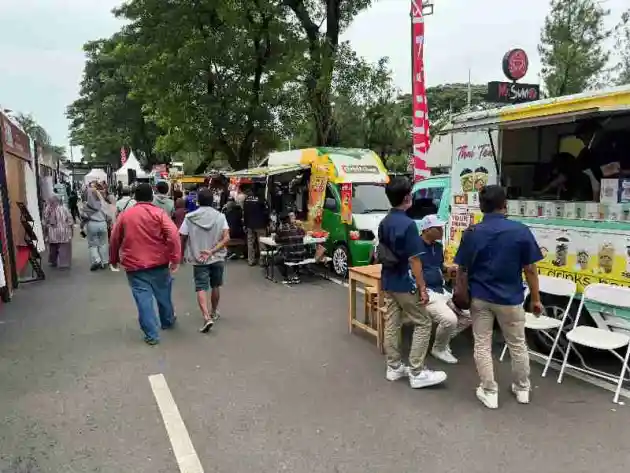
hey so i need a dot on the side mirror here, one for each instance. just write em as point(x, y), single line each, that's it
point(330, 204)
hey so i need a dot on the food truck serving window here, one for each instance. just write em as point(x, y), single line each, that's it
point(583, 162)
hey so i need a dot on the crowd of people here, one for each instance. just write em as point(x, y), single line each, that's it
point(489, 266)
point(150, 234)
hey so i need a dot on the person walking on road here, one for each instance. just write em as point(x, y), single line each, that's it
point(400, 249)
point(433, 269)
point(494, 254)
point(162, 200)
point(180, 212)
point(94, 225)
point(73, 205)
point(205, 234)
point(146, 244)
point(256, 218)
point(125, 201)
point(58, 229)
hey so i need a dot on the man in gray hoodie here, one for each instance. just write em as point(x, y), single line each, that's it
point(162, 200)
point(205, 234)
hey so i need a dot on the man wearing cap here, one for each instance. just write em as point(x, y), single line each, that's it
point(433, 267)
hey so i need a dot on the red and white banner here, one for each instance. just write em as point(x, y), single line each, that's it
point(420, 133)
point(123, 156)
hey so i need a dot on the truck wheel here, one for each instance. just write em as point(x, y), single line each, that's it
point(341, 260)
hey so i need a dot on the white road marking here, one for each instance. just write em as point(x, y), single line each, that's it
point(185, 453)
point(593, 380)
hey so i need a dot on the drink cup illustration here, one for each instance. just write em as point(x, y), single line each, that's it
point(467, 177)
point(582, 259)
point(562, 251)
point(606, 257)
point(481, 178)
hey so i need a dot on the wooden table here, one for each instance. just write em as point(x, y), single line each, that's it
point(369, 276)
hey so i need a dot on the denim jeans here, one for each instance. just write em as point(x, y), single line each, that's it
point(148, 284)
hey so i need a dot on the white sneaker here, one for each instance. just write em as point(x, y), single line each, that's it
point(444, 355)
point(426, 378)
point(488, 399)
point(396, 374)
point(522, 396)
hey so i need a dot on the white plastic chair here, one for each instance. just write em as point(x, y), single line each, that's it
point(610, 307)
point(555, 287)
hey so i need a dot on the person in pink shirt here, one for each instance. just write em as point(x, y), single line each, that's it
point(146, 243)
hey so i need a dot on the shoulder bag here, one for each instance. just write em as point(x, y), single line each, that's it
point(461, 288)
point(384, 255)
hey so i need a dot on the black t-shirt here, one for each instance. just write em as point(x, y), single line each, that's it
point(611, 147)
point(255, 213)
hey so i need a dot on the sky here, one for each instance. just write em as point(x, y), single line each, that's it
point(41, 57)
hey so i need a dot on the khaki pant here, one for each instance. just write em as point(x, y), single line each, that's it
point(406, 307)
point(253, 247)
point(511, 320)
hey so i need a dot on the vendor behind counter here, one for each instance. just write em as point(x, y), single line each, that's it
point(605, 154)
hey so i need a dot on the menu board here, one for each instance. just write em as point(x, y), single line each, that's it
point(584, 255)
point(473, 164)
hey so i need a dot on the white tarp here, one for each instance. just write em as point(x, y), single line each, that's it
point(95, 175)
point(30, 181)
point(131, 163)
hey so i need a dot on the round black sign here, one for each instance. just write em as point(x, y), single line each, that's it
point(515, 64)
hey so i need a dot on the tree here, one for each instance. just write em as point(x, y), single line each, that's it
point(213, 75)
point(572, 46)
point(622, 43)
point(33, 129)
point(106, 117)
point(321, 22)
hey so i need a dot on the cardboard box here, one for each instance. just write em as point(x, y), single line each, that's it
point(513, 207)
point(569, 210)
point(531, 208)
point(609, 191)
point(615, 212)
point(549, 209)
point(591, 211)
point(580, 210)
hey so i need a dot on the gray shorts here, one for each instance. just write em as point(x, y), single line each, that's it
point(208, 276)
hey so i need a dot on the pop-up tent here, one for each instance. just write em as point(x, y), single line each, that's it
point(95, 175)
point(131, 163)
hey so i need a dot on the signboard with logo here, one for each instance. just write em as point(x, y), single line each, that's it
point(512, 92)
point(14, 140)
point(317, 192)
point(356, 165)
point(346, 202)
point(473, 165)
point(515, 66)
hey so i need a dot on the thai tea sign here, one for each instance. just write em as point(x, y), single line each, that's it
point(473, 164)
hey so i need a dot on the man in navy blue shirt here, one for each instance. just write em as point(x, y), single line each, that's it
point(433, 269)
point(495, 253)
point(405, 289)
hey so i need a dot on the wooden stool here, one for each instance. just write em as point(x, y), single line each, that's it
point(370, 306)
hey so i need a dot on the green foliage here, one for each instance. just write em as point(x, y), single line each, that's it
point(216, 74)
point(622, 43)
point(320, 24)
point(572, 46)
point(105, 117)
point(33, 129)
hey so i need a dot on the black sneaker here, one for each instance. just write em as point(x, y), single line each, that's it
point(215, 315)
point(95, 267)
point(207, 325)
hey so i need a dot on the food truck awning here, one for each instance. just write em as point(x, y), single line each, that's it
point(267, 171)
point(565, 109)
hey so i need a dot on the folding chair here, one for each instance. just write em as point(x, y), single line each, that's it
point(543, 323)
point(609, 306)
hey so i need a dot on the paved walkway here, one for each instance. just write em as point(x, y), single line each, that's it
point(278, 386)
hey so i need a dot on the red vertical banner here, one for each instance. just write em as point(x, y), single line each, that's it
point(346, 202)
point(420, 109)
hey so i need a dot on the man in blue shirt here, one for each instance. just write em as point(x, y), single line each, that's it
point(433, 268)
point(495, 253)
point(406, 294)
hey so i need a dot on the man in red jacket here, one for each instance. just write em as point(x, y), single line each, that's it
point(146, 243)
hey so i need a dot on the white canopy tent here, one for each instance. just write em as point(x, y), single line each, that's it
point(131, 163)
point(95, 175)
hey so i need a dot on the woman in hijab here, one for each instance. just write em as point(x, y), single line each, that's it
point(58, 227)
point(94, 223)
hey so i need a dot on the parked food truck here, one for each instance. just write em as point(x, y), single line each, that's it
point(584, 234)
point(349, 185)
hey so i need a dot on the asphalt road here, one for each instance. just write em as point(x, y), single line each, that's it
point(279, 385)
